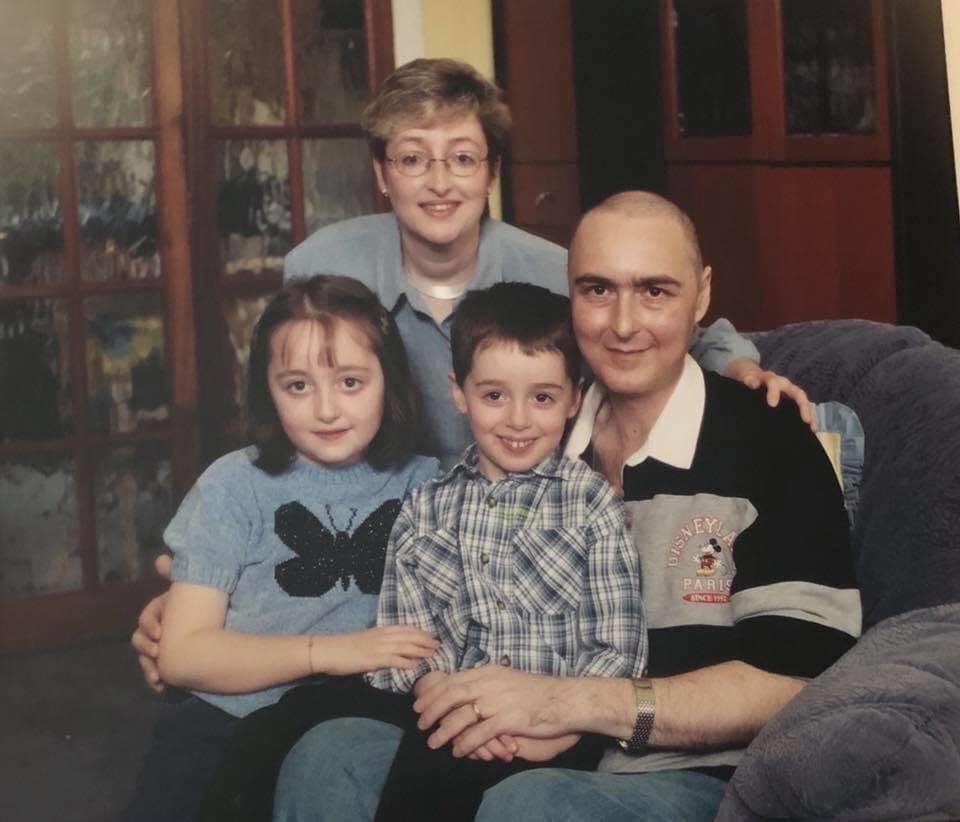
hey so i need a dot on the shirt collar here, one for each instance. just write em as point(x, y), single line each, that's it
point(469, 464)
point(393, 282)
point(673, 438)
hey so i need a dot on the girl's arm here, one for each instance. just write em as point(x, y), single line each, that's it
point(196, 651)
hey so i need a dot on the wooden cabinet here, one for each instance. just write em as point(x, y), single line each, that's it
point(157, 159)
point(776, 138)
point(535, 67)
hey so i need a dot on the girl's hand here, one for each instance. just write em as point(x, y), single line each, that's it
point(753, 376)
point(428, 681)
point(389, 646)
point(146, 638)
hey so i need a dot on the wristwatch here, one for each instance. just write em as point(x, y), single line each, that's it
point(643, 725)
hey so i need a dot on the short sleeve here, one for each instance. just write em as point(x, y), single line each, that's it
point(216, 523)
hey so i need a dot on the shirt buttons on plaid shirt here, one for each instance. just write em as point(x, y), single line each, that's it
point(500, 604)
point(485, 558)
point(492, 502)
point(505, 660)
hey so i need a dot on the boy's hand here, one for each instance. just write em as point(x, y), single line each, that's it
point(753, 376)
point(429, 681)
point(146, 638)
point(541, 750)
point(389, 646)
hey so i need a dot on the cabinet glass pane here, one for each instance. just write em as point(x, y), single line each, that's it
point(713, 68)
point(110, 63)
point(253, 205)
point(117, 210)
point(127, 375)
point(245, 62)
point(31, 223)
point(240, 315)
point(34, 371)
point(134, 502)
point(331, 54)
point(337, 181)
point(828, 66)
point(28, 96)
point(39, 531)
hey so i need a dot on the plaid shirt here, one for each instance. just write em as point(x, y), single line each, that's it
point(536, 571)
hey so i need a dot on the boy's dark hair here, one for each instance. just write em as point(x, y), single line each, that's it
point(325, 298)
point(530, 316)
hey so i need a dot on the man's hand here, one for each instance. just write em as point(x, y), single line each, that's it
point(753, 376)
point(146, 638)
point(473, 707)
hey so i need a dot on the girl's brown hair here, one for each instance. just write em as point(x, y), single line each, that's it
point(326, 298)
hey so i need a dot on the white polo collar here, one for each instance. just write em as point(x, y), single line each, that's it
point(673, 438)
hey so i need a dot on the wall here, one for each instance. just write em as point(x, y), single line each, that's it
point(951, 42)
point(441, 28)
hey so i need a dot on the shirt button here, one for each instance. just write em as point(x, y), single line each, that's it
point(492, 502)
point(485, 558)
point(505, 660)
point(500, 604)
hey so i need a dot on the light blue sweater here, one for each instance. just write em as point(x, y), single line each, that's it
point(297, 553)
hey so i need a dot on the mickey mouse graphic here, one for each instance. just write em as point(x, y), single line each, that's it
point(708, 559)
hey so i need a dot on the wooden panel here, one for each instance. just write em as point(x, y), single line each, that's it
point(70, 618)
point(829, 233)
point(545, 194)
point(792, 243)
point(721, 201)
point(536, 64)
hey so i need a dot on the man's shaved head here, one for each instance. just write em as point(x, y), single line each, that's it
point(646, 205)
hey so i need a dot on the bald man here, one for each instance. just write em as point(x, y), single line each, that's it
point(739, 523)
point(747, 579)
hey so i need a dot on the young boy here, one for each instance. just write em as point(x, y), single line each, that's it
point(517, 556)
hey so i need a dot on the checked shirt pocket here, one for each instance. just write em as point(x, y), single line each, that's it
point(437, 567)
point(548, 578)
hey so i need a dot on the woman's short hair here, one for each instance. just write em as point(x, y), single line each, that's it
point(422, 90)
point(325, 299)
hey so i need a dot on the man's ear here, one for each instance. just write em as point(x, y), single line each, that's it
point(577, 398)
point(456, 392)
point(703, 295)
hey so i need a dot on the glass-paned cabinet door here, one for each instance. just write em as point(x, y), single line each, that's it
point(828, 66)
point(31, 222)
point(109, 50)
point(712, 65)
point(90, 445)
point(331, 56)
point(34, 370)
point(117, 210)
point(40, 546)
point(245, 62)
point(28, 90)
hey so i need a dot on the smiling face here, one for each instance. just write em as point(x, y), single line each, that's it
point(328, 390)
point(636, 295)
point(438, 209)
point(518, 405)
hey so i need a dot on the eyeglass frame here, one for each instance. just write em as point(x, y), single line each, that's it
point(431, 160)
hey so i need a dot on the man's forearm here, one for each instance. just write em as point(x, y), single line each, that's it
point(724, 704)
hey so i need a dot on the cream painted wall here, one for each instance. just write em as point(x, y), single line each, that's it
point(951, 41)
point(443, 28)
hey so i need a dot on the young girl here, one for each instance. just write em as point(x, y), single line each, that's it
point(279, 547)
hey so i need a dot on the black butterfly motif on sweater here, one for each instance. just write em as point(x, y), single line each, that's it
point(323, 558)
